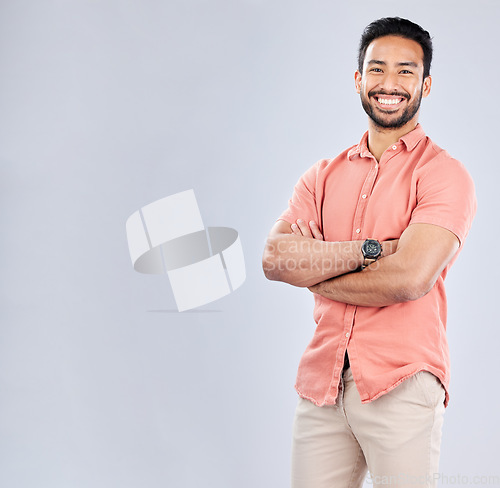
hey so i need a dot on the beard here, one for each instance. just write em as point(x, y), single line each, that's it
point(386, 121)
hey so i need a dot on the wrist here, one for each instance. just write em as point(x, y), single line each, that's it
point(371, 250)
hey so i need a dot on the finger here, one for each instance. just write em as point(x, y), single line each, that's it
point(304, 228)
point(315, 230)
point(296, 230)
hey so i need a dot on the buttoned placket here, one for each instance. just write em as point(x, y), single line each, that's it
point(366, 191)
point(357, 234)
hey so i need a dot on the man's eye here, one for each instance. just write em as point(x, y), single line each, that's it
point(406, 71)
point(375, 69)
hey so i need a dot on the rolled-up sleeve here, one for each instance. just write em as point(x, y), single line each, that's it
point(303, 205)
point(445, 196)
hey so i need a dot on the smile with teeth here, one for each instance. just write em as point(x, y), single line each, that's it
point(389, 101)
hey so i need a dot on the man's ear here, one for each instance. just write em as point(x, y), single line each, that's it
point(357, 81)
point(426, 88)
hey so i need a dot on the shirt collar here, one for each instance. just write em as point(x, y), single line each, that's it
point(411, 139)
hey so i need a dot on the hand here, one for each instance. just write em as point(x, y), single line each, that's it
point(315, 288)
point(301, 228)
point(389, 247)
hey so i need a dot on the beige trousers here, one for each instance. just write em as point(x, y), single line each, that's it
point(396, 437)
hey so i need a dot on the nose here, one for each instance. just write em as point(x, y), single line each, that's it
point(389, 83)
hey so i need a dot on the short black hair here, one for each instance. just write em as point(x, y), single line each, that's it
point(396, 26)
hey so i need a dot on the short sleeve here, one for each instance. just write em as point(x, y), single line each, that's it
point(445, 196)
point(302, 205)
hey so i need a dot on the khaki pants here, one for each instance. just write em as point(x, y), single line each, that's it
point(396, 437)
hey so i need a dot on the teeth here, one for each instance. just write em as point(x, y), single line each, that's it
point(390, 101)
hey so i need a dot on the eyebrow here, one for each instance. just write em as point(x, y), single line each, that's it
point(402, 63)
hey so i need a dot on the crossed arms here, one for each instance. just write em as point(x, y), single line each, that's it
point(407, 269)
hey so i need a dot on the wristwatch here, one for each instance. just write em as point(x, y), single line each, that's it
point(371, 250)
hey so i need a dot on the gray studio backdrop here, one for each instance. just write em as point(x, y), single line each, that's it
point(106, 106)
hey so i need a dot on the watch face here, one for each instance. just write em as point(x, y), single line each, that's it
point(371, 248)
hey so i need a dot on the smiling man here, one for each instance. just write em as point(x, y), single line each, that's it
point(372, 233)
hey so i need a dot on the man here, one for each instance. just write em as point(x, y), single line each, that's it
point(372, 233)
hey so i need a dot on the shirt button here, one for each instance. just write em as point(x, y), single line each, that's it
point(394, 147)
point(358, 231)
point(347, 334)
point(363, 196)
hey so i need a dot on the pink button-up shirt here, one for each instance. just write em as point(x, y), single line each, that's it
point(354, 197)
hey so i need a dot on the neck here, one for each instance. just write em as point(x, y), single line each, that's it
point(379, 138)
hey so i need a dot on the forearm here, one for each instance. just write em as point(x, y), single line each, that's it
point(305, 261)
point(386, 282)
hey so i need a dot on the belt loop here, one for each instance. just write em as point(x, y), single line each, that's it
point(341, 391)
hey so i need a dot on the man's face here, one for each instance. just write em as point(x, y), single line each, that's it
point(392, 84)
